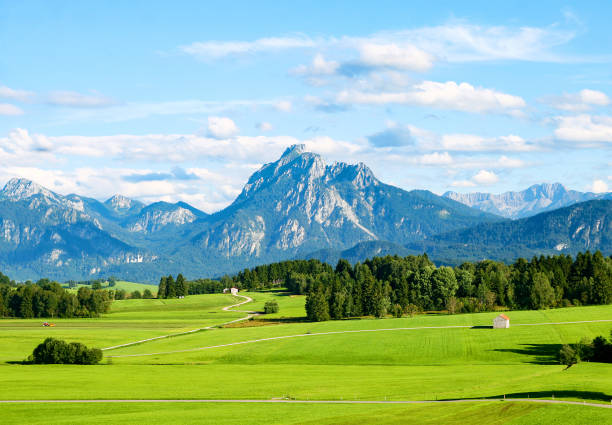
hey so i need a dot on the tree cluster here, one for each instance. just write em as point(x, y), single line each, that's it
point(48, 299)
point(170, 288)
point(56, 351)
point(597, 350)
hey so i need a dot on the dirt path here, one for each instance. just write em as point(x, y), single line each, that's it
point(339, 332)
point(521, 400)
point(228, 308)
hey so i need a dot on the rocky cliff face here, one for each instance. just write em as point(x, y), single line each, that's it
point(299, 204)
point(531, 201)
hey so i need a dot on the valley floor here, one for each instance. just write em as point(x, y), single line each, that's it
point(426, 357)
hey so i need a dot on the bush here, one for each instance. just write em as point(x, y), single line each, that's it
point(55, 351)
point(136, 295)
point(271, 307)
point(147, 294)
point(397, 311)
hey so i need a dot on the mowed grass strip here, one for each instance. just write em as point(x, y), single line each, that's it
point(502, 413)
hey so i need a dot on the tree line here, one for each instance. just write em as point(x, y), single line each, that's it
point(48, 299)
point(399, 285)
point(170, 288)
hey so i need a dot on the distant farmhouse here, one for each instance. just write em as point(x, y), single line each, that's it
point(501, 321)
point(231, 290)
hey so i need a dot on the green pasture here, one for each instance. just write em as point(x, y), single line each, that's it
point(388, 361)
point(506, 413)
point(125, 285)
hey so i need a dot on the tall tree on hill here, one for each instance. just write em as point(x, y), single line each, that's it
point(170, 287)
point(181, 286)
point(161, 289)
point(317, 307)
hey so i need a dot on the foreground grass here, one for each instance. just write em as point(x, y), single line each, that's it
point(391, 363)
point(220, 414)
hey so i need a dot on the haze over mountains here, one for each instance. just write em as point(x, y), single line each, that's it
point(531, 201)
point(296, 207)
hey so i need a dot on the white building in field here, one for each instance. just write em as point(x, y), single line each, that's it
point(231, 290)
point(500, 322)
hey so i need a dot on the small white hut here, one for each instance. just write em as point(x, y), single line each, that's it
point(234, 290)
point(501, 321)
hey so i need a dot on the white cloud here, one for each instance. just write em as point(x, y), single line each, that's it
point(463, 42)
point(584, 128)
point(318, 67)
point(79, 100)
point(475, 143)
point(283, 106)
point(221, 127)
point(455, 41)
point(463, 183)
point(264, 126)
point(19, 95)
point(485, 177)
point(482, 178)
point(581, 101)
point(436, 158)
point(8, 109)
point(448, 95)
point(599, 186)
point(219, 49)
point(392, 55)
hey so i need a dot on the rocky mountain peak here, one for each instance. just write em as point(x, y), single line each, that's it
point(293, 151)
point(17, 189)
point(119, 202)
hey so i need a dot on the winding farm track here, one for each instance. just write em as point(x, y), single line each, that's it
point(228, 308)
point(251, 341)
point(521, 400)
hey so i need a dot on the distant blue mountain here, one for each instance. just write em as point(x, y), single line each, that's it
point(295, 207)
point(531, 201)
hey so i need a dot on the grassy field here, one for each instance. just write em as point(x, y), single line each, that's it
point(126, 286)
point(506, 413)
point(366, 359)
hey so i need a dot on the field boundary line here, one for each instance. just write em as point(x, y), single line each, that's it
point(462, 400)
point(251, 341)
point(227, 308)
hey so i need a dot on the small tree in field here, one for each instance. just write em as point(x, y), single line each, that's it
point(147, 294)
point(568, 356)
point(271, 307)
point(136, 295)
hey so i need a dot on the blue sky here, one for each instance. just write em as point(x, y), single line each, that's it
point(184, 100)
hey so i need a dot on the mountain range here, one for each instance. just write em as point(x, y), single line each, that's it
point(295, 207)
point(531, 201)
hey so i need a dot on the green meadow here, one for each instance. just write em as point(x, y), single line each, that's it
point(125, 285)
point(425, 357)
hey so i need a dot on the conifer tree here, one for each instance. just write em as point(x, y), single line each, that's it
point(161, 289)
point(170, 287)
point(181, 286)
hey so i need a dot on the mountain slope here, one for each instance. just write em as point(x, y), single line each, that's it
point(45, 234)
point(531, 201)
point(579, 227)
point(299, 204)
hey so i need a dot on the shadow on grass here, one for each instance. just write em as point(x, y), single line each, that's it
point(549, 394)
point(545, 354)
point(481, 327)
